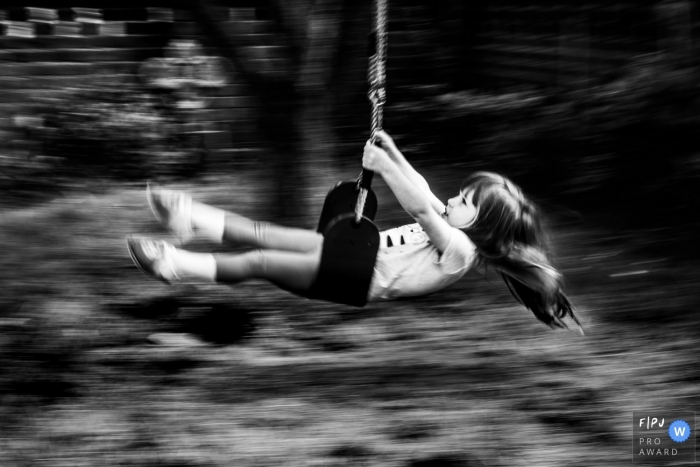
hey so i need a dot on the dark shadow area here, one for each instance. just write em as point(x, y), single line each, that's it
point(448, 460)
point(216, 323)
point(351, 452)
point(220, 323)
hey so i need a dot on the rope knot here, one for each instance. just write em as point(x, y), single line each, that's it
point(377, 95)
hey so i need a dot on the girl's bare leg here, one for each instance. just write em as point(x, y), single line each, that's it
point(219, 225)
point(266, 235)
point(291, 271)
point(185, 218)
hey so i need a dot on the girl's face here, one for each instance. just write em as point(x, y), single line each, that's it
point(460, 211)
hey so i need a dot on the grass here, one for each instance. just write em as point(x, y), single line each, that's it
point(464, 377)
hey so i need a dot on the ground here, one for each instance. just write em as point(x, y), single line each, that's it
point(465, 377)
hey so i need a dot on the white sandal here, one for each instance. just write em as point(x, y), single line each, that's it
point(173, 209)
point(153, 258)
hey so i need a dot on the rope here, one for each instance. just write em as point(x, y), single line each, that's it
point(376, 76)
point(377, 70)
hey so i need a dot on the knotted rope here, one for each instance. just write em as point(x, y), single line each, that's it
point(376, 76)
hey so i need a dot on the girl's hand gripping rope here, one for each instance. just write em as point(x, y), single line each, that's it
point(387, 143)
point(376, 159)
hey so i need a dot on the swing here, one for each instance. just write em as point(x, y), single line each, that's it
point(350, 238)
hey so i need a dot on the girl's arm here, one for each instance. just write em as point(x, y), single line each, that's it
point(411, 174)
point(411, 197)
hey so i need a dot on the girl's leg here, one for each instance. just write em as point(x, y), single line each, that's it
point(232, 227)
point(185, 217)
point(291, 271)
point(266, 235)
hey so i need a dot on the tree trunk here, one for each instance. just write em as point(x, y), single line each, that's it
point(316, 110)
point(296, 107)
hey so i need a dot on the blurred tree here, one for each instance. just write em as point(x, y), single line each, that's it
point(675, 27)
point(297, 100)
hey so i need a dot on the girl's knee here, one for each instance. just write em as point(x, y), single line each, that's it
point(255, 263)
point(239, 267)
point(289, 270)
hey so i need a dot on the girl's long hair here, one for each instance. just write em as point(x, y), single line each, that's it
point(509, 235)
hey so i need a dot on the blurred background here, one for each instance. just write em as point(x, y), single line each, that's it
point(260, 107)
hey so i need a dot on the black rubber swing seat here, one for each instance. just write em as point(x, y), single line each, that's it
point(341, 200)
point(349, 248)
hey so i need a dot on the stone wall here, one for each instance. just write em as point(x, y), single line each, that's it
point(46, 49)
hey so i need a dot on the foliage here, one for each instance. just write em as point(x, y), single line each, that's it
point(110, 129)
point(633, 131)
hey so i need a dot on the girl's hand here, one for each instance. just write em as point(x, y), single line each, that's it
point(375, 159)
point(387, 143)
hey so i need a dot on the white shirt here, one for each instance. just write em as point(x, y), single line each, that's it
point(408, 264)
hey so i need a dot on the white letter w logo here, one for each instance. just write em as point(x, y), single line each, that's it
point(679, 430)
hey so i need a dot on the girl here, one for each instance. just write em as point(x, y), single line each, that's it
point(488, 222)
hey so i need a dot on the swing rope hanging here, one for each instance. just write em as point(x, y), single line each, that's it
point(376, 76)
